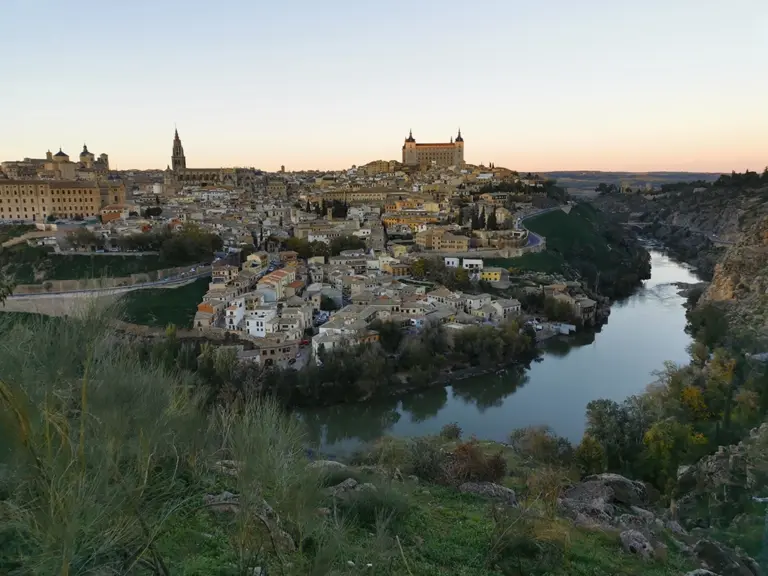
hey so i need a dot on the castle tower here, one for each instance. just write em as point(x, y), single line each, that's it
point(410, 156)
point(178, 161)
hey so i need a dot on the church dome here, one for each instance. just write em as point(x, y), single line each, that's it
point(61, 154)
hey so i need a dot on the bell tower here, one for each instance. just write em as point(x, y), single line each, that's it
point(178, 161)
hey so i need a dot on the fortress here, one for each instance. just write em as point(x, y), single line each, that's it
point(425, 156)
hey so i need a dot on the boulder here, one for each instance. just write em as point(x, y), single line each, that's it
point(366, 486)
point(718, 558)
point(701, 572)
point(644, 514)
point(636, 543)
point(343, 487)
point(490, 490)
point(224, 502)
point(625, 491)
point(674, 527)
point(588, 503)
point(719, 487)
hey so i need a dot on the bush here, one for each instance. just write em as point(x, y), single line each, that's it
point(469, 463)
point(521, 543)
point(451, 431)
point(540, 444)
point(589, 456)
point(545, 485)
point(426, 461)
point(369, 505)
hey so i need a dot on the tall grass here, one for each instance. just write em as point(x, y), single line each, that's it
point(106, 451)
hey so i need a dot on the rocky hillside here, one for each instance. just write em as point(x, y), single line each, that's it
point(695, 223)
point(740, 282)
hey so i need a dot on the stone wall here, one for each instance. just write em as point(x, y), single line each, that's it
point(57, 286)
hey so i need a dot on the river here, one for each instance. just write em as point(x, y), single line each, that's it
point(643, 331)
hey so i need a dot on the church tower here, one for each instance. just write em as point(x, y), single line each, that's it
point(178, 161)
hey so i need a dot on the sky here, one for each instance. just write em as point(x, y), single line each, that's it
point(534, 85)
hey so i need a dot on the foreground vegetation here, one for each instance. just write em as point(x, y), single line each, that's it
point(113, 464)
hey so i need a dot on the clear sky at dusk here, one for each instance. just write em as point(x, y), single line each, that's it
point(534, 85)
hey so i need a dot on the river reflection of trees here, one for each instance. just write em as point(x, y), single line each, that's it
point(490, 390)
point(561, 346)
point(425, 404)
point(365, 421)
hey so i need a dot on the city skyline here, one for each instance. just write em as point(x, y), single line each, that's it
point(534, 88)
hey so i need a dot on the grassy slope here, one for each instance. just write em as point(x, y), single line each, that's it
point(163, 306)
point(22, 262)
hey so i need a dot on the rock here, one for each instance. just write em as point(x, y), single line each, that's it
point(722, 560)
point(413, 478)
point(589, 503)
point(701, 572)
point(323, 511)
point(719, 487)
point(367, 486)
point(283, 541)
point(630, 522)
point(636, 543)
point(342, 487)
point(224, 502)
point(674, 527)
point(490, 490)
point(327, 465)
point(644, 514)
point(227, 467)
point(625, 491)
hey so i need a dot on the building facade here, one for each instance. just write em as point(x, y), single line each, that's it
point(36, 200)
point(177, 175)
point(424, 156)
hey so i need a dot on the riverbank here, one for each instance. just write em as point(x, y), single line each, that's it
point(615, 361)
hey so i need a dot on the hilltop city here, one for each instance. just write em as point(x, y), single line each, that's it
point(305, 261)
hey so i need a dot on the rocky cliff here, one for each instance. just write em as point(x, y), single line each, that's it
point(695, 224)
point(740, 282)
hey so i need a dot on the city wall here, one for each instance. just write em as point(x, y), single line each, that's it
point(105, 283)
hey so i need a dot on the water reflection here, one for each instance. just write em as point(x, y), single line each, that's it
point(489, 391)
point(642, 333)
point(425, 404)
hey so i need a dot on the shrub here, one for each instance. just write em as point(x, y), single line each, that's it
point(370, 504)
point(589, 456)
point(469, 463)
point(545, 485)
point(451, 431)
point(426, 461)
point(523, 544)
point(541, 444)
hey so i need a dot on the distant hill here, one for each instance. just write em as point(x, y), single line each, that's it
point(584, 181)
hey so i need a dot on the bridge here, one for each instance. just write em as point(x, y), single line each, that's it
point(714, 238)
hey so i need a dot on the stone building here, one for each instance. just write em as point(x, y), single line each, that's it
point(427, 155)
point(36, 200)
point(177, 175)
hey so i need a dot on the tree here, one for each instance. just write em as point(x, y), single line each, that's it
point(308, 207)
point(51, 218)
point(590, 456)
point(419, 268)
point(342, 243)
point(390, 335)
point(491, 223)
point(459, 216)
point(328, 304)
point(152, 211)
point(6, 289)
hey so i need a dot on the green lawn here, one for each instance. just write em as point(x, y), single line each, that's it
point(163, 306)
